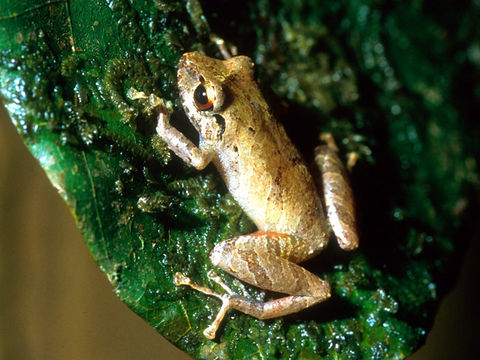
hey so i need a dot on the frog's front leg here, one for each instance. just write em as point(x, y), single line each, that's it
point(180, 144)
point(268, 261)
point(337, 193)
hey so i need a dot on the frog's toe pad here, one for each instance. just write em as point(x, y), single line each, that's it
point(181, 279)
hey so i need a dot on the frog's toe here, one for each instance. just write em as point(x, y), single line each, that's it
point(212, 275)
point(180, 279)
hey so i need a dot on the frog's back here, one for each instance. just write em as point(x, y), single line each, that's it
point(261, 167)
point(269, 178)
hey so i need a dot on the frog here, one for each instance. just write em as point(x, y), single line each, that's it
point(268, 177)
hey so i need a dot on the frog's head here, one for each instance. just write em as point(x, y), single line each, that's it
point(206, 90)
point(200, 81)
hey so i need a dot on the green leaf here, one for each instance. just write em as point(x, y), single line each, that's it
point(378, 77)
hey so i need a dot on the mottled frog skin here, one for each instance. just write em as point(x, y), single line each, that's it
point(266, 174)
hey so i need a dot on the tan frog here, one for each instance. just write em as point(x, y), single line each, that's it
point(266, 174)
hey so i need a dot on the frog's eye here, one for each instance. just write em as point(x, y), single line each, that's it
point(202, 101)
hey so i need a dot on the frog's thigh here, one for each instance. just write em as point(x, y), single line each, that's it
point(266, 260)
point(338, 196)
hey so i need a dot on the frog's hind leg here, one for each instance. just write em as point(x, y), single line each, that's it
point(337, 193)
point(266, 260)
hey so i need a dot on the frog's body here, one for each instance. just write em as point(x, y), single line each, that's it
point(266, 174)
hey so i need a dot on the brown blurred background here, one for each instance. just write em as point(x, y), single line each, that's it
point(56, 304)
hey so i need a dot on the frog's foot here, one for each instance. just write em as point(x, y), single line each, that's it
point(226, 52)
point(329, 141)
point(211, 330)
point(212, 275)
point(258, 309)
point(151, 102)
point(352, 157)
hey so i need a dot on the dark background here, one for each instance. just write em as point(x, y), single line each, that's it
point(56, 304)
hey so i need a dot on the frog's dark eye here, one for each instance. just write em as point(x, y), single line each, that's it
point(202, 101)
